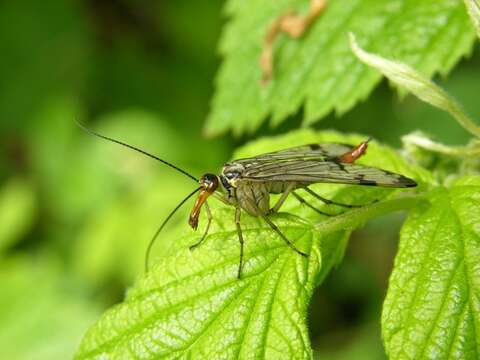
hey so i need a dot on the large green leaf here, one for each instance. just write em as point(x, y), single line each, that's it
point(432, 308)
point(319, 69)
point(192, 305)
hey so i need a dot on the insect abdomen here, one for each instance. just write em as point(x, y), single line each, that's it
point(279, 187)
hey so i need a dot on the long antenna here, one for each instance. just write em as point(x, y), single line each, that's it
point(91, 132)
point(152, 241)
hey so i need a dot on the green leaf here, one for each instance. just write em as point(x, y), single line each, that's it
point(404, 76)
point(418, 139)
point(432, 308)
point(192, 305)
point(473, 7)
point(319, 69)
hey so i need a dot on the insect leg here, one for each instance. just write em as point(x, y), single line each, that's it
point(240, 239)
point(282, 199)
point(277, 230)
point(329, 202)
point(209, 221)
point(303, 201)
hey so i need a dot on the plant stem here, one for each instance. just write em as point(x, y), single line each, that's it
point(418, 84)
point(426, 143)
point(456, 111)
point(355, 218)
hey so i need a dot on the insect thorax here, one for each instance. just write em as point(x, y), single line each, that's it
point(242, 193)
point(231, 173)
point(251, 196)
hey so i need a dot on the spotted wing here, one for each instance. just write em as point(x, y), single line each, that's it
point(305, 165)
point(306, 152)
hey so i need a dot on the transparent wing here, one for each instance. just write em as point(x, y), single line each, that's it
point(315, 163)
point(321, 171)
point(306, 152)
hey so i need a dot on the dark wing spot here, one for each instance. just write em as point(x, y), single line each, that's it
point(340, 166)
point(367, 182)
point(406, 182)
point(314, 146)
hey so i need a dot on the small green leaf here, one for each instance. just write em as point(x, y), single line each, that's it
point(17, 211)
point(192, 305)
point(432, 308)
point(473, 7)
point(318, 69)
point(417, 139)
point(405, 76)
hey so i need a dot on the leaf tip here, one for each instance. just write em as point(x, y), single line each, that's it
point(473, 9)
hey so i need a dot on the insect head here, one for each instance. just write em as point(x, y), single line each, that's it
point(208, 185)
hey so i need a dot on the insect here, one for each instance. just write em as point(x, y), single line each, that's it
point(246, 184)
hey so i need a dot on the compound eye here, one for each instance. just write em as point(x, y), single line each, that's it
point(210, 181)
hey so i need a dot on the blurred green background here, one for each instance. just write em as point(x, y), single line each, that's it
point(76, 213)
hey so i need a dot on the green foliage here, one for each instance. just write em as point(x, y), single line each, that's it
point(319, 69)
point(262, 315)
point(120, 67)
point(413, 81)
point(17, 209)
point(41, 317)
point(108, 232)
point(76, 212)
point(473, 7)
point(55, 35)
point(193, 305)
point(432, 308)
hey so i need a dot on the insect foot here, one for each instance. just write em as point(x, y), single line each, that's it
point(194, 246)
